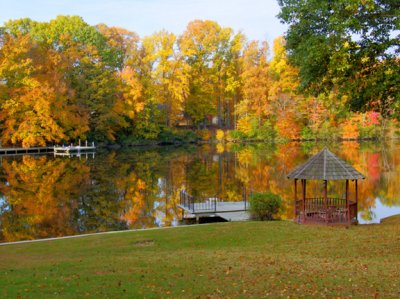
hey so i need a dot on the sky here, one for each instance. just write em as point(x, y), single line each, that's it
point(255, 18)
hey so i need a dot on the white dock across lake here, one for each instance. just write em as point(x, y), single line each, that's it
point(66, 150)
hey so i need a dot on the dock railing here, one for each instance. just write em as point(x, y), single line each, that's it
point(192, 204)
point(207, 204)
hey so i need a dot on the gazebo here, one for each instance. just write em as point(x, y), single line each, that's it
point(325, 166)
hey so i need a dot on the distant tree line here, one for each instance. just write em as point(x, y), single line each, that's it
point(65, 80)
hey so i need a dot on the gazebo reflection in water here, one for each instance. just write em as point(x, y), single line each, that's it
point(325, 166)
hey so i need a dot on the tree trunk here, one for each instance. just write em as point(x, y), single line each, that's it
point(234, 110)
point(219, 100)
point(228, 120)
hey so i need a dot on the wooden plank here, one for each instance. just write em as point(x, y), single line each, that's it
point(23, 149)
point(47, 149)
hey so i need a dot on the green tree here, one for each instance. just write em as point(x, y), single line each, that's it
point(352, 44)
point(97, 90)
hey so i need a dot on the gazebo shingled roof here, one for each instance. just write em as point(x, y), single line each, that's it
point(325, 166)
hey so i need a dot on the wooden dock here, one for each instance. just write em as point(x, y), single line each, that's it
point(73, 149)
point(56, 149)
point(4, 151)
point(213, 206)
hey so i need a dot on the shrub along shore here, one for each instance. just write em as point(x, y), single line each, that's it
point(218, 136)
point(245, 259)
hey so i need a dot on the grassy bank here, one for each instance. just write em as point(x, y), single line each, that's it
point(250, 259)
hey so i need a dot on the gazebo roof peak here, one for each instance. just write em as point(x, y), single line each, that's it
point(325, 166)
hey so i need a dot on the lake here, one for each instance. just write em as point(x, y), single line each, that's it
point(46, 196)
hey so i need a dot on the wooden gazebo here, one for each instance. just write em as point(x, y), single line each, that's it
point(325, 166)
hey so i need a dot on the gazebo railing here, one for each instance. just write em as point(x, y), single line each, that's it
point(333, 210)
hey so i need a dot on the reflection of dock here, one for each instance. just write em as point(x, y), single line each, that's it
point(75, 154)
point(211, 207)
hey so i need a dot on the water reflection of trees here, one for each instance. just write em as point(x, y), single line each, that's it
point(38, 196)
point(46, 196)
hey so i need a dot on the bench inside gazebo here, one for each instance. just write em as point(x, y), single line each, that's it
point(325, 166)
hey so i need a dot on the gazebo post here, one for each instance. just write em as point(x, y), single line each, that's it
point(347, 201)
point(356, 185)
point(295, 198)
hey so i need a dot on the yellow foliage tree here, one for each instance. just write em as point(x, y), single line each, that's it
point(255, 80)
point(170, 74)
point(350, 128)
point(36, 105)
point(284, 83)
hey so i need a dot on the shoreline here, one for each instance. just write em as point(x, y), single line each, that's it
point(103, 233)
point(248, 141)
point(212, 141)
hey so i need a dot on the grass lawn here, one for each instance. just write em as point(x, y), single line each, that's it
point(223, 260)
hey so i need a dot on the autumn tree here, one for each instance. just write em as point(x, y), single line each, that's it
point(283, 95)
point(123, 45)
point(64, 79)
point(233, 81)
point(34, 97)
point(221, 65)
point(206, 47)
point(69, 86)
point(255, 80)
point(169, 74)
point(92, 75)
point(126, 46)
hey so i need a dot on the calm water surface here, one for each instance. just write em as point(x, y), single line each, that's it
point(46, 196)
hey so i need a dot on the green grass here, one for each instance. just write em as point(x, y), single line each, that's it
point(236, 260)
